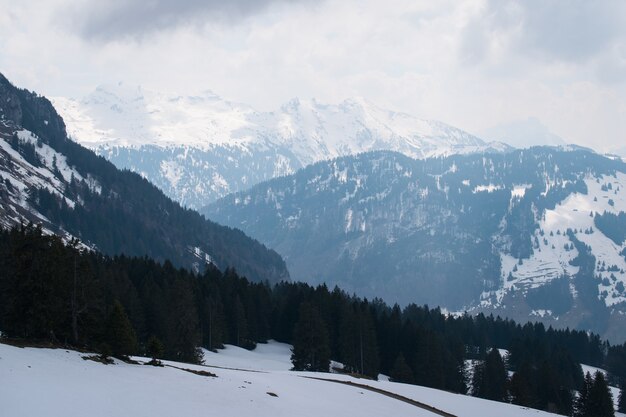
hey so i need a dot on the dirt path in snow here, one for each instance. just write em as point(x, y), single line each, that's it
point(388, 394)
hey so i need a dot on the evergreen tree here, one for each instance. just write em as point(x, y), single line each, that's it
point(239, 334)
point(622, 399)
point(120, 335)
point(155, 349)
point(581, 402)
point(490, 378)
point(520, 386)
point(358, 344)
point(401, 372)
point(213, 333)
point(184, 335)
point(595, 399)
point(311, 350)
point(552, 395)
point(429, 361)
point(600, 400)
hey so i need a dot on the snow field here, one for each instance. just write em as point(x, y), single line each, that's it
point(550, 260)
point(56, 382)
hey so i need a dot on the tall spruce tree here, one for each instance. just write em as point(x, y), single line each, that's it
point(155, 349)
point(401, 371)
point(490, 378)
point(358, 344)
point(581, 402)
point(600, 400)
point(521, 388)
point(621, 407)
point(120, 335)
point(311, 348)
point(594, 399)
point(183, 327)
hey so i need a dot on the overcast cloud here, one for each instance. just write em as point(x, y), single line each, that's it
point(118, 19)
point(475, 64)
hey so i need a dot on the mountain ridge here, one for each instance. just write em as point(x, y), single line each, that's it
point(179, 141)
point(464, 232)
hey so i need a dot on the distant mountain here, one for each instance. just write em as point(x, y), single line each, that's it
point(534, 233)
point(47, 178)
point(200, 148)
point(524, 134)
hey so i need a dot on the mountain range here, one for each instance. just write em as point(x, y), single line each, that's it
point(530, 234)
point(48, 179)
point(380, 203)
point(200, 148)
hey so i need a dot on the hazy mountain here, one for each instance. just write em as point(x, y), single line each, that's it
point(536, 232)
point(524, 134)
point(199, 148)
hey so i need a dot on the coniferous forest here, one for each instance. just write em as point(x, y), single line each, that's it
point(60, 294)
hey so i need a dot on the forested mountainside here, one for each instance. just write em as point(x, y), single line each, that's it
point(47, 178)
point(531, 233)
point(200, 148)
point(58, 294)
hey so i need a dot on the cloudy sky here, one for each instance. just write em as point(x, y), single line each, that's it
point(554, 67)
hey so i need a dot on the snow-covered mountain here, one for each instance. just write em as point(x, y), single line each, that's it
point(538, 233)
point(47, 179)
point(200, 148)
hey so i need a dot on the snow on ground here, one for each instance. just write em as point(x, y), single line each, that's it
point(57, 382)
point(553, 249)
point(46, 382)
point(271, 356)
point(457, 404)
point(486, 188)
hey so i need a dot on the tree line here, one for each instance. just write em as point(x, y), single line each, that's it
point(60, 293)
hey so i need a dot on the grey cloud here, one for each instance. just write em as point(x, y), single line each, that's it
point(572, 30)
point(108, 20)
point(556, 30)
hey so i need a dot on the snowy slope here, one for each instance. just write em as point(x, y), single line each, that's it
point(551, 261)
point(64, 384)
point(19, 175)
point(182, 143)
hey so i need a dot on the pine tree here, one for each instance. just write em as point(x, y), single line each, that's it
point(600, 400)
point(120, 335)
point(622, 399)
point(358, 345)
point(311, 350)
point(240, 324)
point(520, 386)
point(580, 404)
point(183, 333)
point(155, 350)
point(490, 378)
point(401, 372)
point(594, 399)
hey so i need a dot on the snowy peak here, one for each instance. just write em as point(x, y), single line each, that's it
point(180, 142)
point(122, 115)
